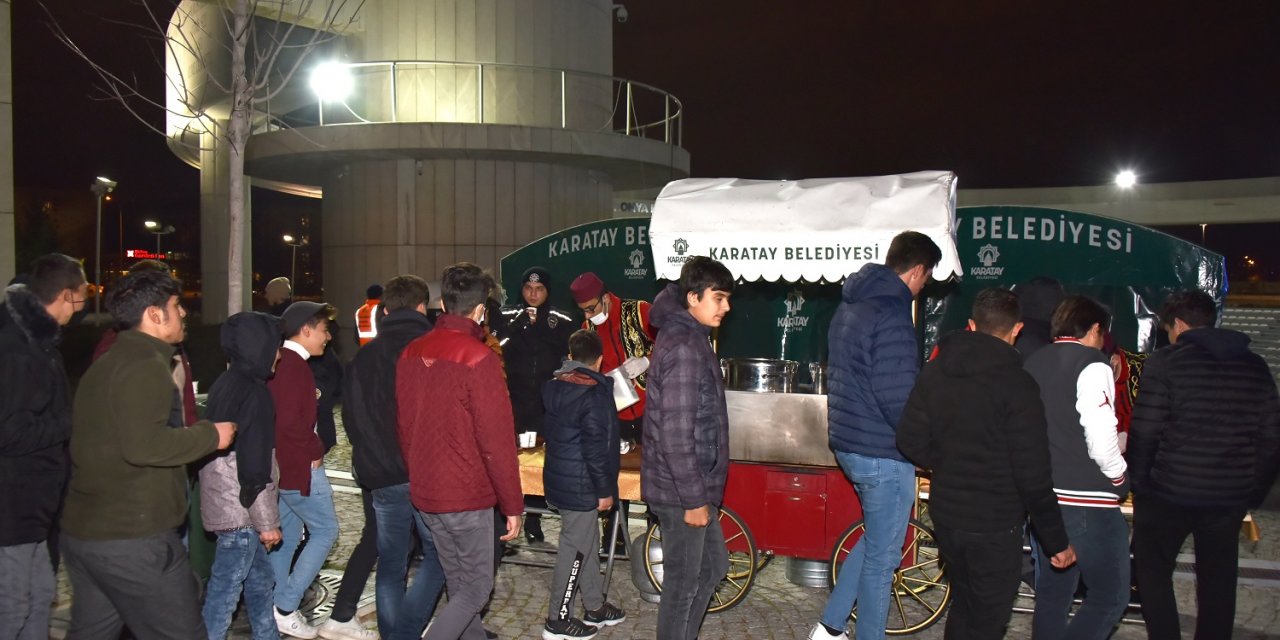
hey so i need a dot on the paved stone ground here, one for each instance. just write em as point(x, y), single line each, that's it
point(774, 608)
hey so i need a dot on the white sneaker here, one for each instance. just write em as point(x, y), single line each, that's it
point(349, 630)
point(820, 633)
point(293, 625)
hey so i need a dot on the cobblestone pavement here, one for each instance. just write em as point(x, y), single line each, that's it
point(774, 608)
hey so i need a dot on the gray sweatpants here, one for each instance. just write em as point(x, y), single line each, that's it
point(26, 591)
point(580, 546)
point(464, 542)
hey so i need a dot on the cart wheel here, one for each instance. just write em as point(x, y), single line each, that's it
point(742, 561)
point(921, 591)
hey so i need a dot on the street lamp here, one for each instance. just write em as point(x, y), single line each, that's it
point(100, 188)
point(293, 261)
point(1126, 179)
point(159, 230)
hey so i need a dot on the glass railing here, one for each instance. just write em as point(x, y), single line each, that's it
point(481, 93)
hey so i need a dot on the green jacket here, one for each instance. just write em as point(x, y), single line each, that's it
point(128, 477)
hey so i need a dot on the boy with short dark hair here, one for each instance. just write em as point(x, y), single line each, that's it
point(976, 421)
point(686, 443)
point(305, 495)
point(580, 478)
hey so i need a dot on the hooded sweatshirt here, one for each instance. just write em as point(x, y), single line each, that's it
point(237, 487)
point(582, 437)
point(1206, 423)
point(686, 424)
point(872, 363)
point(976, 421)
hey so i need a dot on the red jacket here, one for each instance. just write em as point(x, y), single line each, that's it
point(455, 422)
point(294, 390)
point(615, 348)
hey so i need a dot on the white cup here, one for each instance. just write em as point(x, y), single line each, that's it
point(528, 439)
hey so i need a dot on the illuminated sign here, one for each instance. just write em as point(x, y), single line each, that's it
point(143, 254)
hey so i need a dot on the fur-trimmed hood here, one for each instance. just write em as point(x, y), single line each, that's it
point(27, 313)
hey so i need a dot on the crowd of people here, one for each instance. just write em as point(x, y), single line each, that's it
point(1016, 418)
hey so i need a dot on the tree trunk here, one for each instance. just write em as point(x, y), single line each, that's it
point(237, 137)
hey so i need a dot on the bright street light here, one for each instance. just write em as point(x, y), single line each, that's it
point(293, 260)
point(1126, 179)
point(100, 188)
point(159, 230)
point(332, 81)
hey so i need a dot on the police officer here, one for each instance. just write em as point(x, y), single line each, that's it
point(535, 340)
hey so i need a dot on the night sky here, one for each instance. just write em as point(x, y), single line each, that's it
point(1005, 94)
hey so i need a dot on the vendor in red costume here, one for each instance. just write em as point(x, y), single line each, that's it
point(624, 329)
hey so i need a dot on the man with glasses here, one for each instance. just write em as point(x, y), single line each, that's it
point(35, 423)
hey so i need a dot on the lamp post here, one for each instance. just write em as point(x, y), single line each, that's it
point(159, 230)
point(100, 188)
point(293, 261)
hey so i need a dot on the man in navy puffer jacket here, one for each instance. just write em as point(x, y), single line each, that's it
point(873, 361)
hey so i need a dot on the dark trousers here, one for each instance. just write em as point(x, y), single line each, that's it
point(694, 561)
point(144, 584)
point(984, 569)
point(363, 557)
point(1159, 529)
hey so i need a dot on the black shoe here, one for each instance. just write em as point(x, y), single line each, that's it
point(568, 629)
point(490, 635)
point(606, 616)
point(533, 530)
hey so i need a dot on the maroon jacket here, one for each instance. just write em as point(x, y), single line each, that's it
point(294, 390)
point(189, 413)
point(455, 423)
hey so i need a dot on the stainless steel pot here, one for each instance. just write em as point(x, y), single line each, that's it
point(818, 373)
point(762, 375)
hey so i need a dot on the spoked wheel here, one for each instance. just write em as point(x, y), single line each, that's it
point(920, 590)
point(742, 561)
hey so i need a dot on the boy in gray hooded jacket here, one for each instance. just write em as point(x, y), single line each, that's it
point(238, 494)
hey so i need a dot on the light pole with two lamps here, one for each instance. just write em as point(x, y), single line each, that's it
point(100, 188)
point(293, 261)
point(159, 230)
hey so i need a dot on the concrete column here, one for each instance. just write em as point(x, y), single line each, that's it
point(215, 219)
point(8, 248)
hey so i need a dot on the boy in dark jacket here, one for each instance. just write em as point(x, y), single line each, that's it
point(580, 477)
point(976, 421)
point(1204, 446)
point(686, 443)
point(238, 488)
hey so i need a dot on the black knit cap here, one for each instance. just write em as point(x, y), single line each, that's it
point(538, 275)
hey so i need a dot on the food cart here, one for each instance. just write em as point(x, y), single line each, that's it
point(791, 244)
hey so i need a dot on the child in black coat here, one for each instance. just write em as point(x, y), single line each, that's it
point(581, 478)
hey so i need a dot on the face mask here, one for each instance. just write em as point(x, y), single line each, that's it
point(599, 318)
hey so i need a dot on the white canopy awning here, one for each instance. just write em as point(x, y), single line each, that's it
point(821, 229)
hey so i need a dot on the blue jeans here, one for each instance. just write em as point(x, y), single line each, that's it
point(402, 613)
point(317, 514)
point(887, 489)
point(1100, 538)
point(240, 560)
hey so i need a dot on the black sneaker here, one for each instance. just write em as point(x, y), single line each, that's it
point(569, 629)
point(606, 616)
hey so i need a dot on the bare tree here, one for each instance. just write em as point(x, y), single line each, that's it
point(261, 45)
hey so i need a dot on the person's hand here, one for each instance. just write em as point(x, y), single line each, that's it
point(513, 528)
point(270, 538)
point(699, 517)
point(1064, 558)
point(1117, 365)
point(604, 504)
point(315, 464)
point(226, 434)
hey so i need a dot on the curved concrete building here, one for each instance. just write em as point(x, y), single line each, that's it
point(452, 130)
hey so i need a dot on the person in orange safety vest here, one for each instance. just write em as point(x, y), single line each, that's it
point(367, 315)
